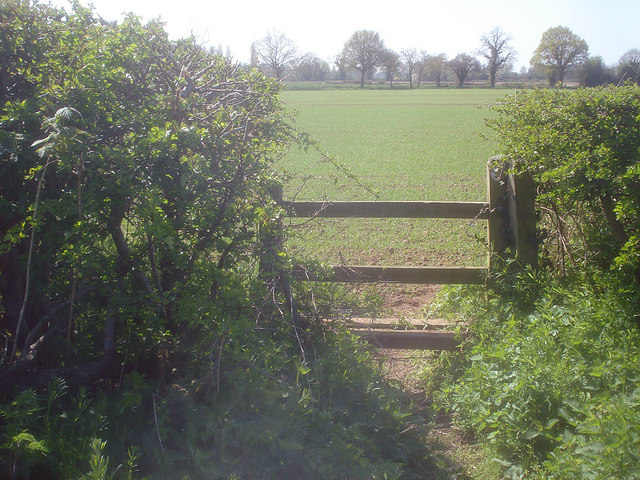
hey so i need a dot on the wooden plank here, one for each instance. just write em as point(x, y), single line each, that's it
point(523, 218)
point(468, 210)
point(500, 237)
point(413, 340)
point(415, 275)
point(398, 324)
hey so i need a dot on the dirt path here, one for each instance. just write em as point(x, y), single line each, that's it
point(455, 453)
point(408, 300)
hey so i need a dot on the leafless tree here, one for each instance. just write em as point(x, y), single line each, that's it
point(629, 66)
point(632, 57)
point(253, 55)
point(310, 67)
point(276, 53)
point(421, 66)
point(391, 63)
point(496, 49)
point(340, 63)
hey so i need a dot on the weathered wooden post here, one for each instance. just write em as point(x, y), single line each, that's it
point(499, 234)
point(270, 264)
point(512, 216)
point(523, 219)
point(271, 238)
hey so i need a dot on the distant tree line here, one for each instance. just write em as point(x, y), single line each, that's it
point(560, 55)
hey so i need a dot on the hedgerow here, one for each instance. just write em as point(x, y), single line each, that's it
point(583, 149)
point(145, 327)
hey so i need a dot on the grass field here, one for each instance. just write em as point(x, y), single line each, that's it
point(422, 144)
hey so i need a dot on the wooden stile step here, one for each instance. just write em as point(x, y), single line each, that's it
point(410, 339)
point(414, 334)
point(394, 323)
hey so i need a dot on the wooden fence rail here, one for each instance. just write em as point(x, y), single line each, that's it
point(464, 210)
point(376, 274)
point(390, 209)
point(510, 212)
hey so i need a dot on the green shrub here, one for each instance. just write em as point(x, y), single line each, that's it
point(552, 385)
point(136, 174)
point(583, 149)
point(48, 435)
point(135, 207)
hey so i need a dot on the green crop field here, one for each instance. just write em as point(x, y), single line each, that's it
point(424, 144)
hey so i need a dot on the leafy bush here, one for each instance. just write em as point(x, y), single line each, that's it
point(136, 174)
point(583, 149)
point(139, 265)
point(552, 385)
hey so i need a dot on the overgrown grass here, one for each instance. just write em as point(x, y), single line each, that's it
point(549, 380)
point(422, 144)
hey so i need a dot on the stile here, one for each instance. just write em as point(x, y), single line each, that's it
point(510, 212)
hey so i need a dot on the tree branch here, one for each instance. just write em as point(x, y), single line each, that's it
point(609, 213)
point(125, 255)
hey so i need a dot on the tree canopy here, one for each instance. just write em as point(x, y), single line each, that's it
point(593, 72)
point(363, 51)
point(559, 49)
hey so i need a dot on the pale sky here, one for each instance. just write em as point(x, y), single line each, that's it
point(610, 27)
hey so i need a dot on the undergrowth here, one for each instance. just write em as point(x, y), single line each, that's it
point(256, 409)
point(548, 381)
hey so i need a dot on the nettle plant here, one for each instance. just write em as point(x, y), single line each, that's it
point(134, 179)
point(583, 149)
